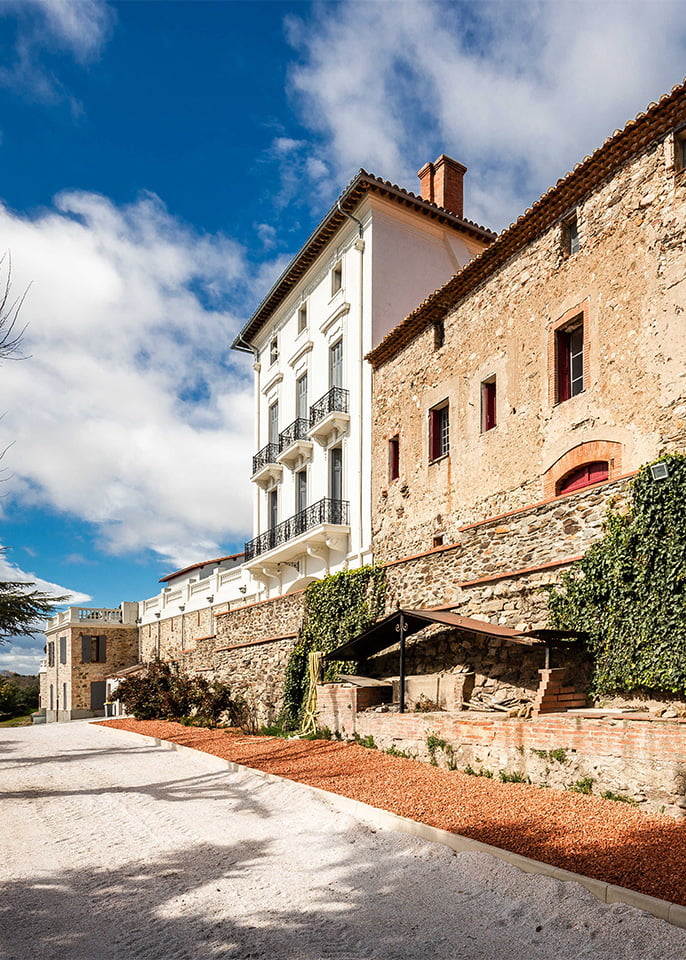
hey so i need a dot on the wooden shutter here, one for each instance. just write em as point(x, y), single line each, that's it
point(563, 371)
point(102, 649)
point(86, 649)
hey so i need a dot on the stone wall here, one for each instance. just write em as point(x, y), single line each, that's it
point(627, 282)
point(249, 650)
point(642, 760)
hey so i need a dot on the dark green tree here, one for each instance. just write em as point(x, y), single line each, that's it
point(22, 609)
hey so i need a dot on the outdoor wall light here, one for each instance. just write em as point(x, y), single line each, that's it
point(182, 607)
point(242, 589)
point(659, 471)
point(210, 600)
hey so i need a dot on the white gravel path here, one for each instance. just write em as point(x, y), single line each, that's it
point(115, 850)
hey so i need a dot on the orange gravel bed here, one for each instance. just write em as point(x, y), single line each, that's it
point(605, 839)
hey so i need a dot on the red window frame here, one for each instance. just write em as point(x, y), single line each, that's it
point(394, 458)
point(584, 476)
point(439, 432)
point(488, 405)
point(569, 349)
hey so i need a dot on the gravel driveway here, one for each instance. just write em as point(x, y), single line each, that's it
point(115, 850)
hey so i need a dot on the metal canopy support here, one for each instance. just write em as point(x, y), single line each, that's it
point(401, 627)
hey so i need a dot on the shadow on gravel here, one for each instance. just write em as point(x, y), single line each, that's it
point(374, 899)
point(207, 786)
point(67, 755)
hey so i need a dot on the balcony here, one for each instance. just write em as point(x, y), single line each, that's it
point(322, 524)
point(329, 417)
point(294, 446)
point(265, 466)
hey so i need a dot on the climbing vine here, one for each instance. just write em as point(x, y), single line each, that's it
point(629, 590)
point(337, 609)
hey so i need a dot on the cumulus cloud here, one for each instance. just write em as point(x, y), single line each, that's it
point(131, 411)
point(519, 92)
point(75, 28)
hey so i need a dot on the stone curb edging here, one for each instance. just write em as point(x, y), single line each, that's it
point(673, 913)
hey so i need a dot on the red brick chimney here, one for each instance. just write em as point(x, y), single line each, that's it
point(441, 183)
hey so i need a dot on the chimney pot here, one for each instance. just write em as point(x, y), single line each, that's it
point(442, 183)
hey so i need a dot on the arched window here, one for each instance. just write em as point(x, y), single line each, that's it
point(583, 476)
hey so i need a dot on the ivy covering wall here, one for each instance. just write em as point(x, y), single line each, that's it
point(337, 609)
point(629, 590)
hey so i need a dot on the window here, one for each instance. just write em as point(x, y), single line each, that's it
point(439, 334)
point(51, 654)
point(273, 351)
point(302, 318)
point(274, 423)
point(301, 409)
point(438, 540)
point(439, 432)
point(569, 360)
point(584, 476)
point(93, 649)
point(336, 473)
point(63, 649)
point(394, 458)
point(300, 491)
point(272, 516)
point(336, 278)
point(570, 236)
point(680, 150)
point(488, 405)
point(336, 365)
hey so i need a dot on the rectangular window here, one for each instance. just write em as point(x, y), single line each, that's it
point(51, 654)
point(680, 150)
point(302, 411)
point(300, 491)
point(302, 317)
point(570, 235)
point(63, 649)
point(336, 364)
point(93, 649)
point(439, 334)
point(439, 432)
point(336, 278)
point(336, 473)
point(273, 351)
point(569, 346)
point(488, 405)
point(394, 458)
point(273, 509)
point(274, 423)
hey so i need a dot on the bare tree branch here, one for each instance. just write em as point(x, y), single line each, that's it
point(11, 334)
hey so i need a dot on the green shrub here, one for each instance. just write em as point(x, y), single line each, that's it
point(337, 609)
point(514, 777)
point(585, 786)
point(159, 694)
point(619, 797)
point(629, 590)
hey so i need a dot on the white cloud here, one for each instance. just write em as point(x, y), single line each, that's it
point(519, 92)
point(131, 412)
point(75, 28)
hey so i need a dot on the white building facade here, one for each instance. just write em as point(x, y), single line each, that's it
point(379, 251)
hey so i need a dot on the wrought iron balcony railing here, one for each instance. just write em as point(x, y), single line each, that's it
point(323, 511)
point(294, 431)
point(335, 401)
point(266, 455)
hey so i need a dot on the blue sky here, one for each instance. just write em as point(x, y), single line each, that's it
point(159, 165)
